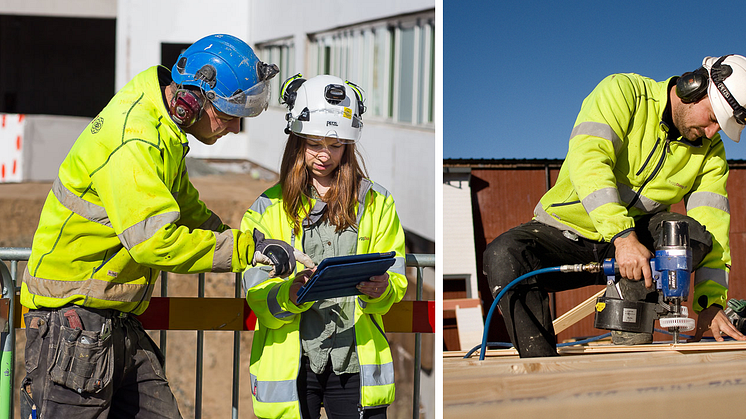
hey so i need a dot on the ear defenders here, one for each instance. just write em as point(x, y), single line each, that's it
point(185, 107)
point(289, 90)
point(359, 96)
point(692, 85)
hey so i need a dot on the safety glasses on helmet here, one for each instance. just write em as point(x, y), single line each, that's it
point(331, 138)
point(243, 104)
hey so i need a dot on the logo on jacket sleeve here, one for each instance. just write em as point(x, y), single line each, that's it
point(97, 124)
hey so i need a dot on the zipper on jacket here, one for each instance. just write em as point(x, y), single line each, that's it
point(666, 148)
point(644, 165)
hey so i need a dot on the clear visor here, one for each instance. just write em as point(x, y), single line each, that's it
point(329, 139)
point(244, 104)
point(346, 131)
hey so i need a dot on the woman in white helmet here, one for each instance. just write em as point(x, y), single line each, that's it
point(331, 352)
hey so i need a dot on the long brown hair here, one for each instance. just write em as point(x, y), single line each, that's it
point(341, 198)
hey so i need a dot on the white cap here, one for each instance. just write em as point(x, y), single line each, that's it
point(736, 85)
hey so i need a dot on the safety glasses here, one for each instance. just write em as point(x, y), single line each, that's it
point(244, 104)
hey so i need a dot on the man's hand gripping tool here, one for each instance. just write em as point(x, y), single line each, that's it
point(671, 267)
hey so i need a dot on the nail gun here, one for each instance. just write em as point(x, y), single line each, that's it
point(736, 313)
point(671, 267)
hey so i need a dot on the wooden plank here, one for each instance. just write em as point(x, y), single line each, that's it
point(480, 385)
point(655, 347)
point(453, 303)
point(578, 313)
point(671, 402)
point(515, 365)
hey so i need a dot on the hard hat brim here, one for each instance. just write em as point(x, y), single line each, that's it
point(724, 114)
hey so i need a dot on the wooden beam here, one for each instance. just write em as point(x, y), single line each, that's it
point(608, 361)
point(732, 345)
point(481, 385)
point(576, 314)
point(452, 304)
point(648, 403)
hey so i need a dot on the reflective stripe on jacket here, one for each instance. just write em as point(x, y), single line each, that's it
point(122, 209)
point(622, 165)
point(276, 346)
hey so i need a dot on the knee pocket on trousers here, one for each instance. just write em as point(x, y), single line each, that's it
point(27, 402)
point(154, 354)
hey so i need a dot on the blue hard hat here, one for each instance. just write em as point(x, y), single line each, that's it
point(228, 72)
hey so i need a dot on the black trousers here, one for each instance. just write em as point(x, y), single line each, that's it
point(338, 394)
point(85, 363)
point(532, 246)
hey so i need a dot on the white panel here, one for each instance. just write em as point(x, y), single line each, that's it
point(459, 256)
point(11, 147)
point(470, 327)
point(68, 8)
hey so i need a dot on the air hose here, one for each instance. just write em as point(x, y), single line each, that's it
point(593, 267)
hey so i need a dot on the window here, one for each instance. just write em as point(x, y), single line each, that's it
point(282, 53)
point(392, 60)
point(56, 65)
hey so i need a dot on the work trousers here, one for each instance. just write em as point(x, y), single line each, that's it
point(85, 363)
point(532, 246)
point(338, 394)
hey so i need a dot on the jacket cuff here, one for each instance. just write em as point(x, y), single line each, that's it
point(623, 233)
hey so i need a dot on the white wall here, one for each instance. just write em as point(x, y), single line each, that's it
point(400, 158)
point(70, 8)
point(459, 256)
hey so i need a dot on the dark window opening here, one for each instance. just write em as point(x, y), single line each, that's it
point(56, 65)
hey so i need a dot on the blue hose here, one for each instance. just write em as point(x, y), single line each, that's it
point(500, 295)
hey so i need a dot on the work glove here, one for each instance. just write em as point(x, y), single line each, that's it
point(279, 254)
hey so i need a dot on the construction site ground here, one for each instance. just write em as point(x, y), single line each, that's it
point(228, 195)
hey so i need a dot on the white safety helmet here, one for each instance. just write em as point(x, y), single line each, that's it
point(323, 106)
point(727, 92)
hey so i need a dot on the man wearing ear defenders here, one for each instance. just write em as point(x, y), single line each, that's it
point(638, 146)
point(123, 209)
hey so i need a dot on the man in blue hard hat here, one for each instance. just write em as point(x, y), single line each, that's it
point(121, 210)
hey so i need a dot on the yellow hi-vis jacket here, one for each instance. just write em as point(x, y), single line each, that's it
point(122, 208)
point(622, 165)
point(276, 346)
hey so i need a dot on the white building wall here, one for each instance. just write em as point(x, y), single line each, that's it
point(459, 256)
point(399, 157)
point(69, 8)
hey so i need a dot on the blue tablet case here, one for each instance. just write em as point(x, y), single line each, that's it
point(339, 276)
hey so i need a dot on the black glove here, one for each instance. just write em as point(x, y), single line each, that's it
point(279, 254)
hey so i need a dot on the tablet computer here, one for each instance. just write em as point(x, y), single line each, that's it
point(339, 276)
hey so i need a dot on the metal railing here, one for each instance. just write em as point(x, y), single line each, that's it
point(10, 286)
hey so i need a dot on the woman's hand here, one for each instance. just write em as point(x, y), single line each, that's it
point(375, 287)
point(713, 318)
point(298, 282)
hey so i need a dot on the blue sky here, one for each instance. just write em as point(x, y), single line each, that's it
point(515, 72)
